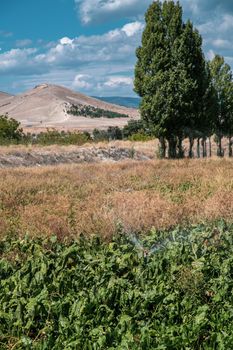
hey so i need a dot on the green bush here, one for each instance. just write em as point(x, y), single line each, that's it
point(112, 133)
point(52, 136)
point(136, 130)
point(167, 290)
point(10, 131)
point(139, 137)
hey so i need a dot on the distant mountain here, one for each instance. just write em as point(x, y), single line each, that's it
point(130, 102)
point(47, 105)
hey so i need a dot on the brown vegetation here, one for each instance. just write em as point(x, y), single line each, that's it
point(101, 198)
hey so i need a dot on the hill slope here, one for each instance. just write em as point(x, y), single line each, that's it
point(47, 105)
point(5, 98)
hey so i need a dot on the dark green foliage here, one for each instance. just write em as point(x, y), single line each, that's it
point(115, 133)
point(100, 135)
point(175, 293)
point(140, 136)
point(133, 127)
point(221, 75)
point(93, 112)
point(112, 133)
point(52, 136)
point(10, 131)
point(170, 76)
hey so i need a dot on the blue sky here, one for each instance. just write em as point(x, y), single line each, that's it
point(89, 45)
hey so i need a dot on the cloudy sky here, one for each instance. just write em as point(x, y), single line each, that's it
point(89, 45)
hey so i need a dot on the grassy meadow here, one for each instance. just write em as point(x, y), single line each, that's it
point(104, 198)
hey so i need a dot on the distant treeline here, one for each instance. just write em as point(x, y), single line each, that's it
point(11, 133)
point(93, 112)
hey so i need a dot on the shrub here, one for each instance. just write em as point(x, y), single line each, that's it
point(140, 136)
point(52, 136)
point(10, 131)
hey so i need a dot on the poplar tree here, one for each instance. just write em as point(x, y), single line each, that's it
point(169, 75)
point(221, 75)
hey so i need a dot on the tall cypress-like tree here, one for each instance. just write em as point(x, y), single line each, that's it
point(221, 75)
point(169, 74)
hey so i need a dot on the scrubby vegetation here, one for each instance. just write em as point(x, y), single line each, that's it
point(94, 112)
point(10, 131)
point(52, 136)
point(168, 290)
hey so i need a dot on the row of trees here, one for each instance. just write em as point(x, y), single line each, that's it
point(12, 133)
point(183, 95)
point(94, 112)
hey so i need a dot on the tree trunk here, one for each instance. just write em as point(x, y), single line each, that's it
point(198, 148)
point(230, 146)
point(172, 147)
point(210, 147)
point(219, 150)
point(180, 147)
point(203, 143)
point(191, 143)
point(162, 147)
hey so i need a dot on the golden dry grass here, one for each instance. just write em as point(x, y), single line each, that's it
point(148, 148)
point(100, 198)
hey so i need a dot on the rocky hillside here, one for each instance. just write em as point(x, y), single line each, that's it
point(80, 155)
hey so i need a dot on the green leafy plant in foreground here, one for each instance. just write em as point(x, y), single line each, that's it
point(168, 290)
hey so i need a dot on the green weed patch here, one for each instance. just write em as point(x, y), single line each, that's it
point(168, 290)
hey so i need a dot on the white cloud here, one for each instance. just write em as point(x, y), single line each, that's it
point(222, 44)
point(66, 41)
point(117, 81)
point(131, 29)
point(96, 10)
point(15, 58)
point(82, 81)
point(96, 64)
point(226, 23)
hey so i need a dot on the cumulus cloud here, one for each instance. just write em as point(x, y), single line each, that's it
point(133, 28)
point(104, 63)
point(97, 10)
point(103, 10)
point(82, 81)
point(66, 41)
point(222, 43)
point(117, 81)
point(92, 64)
point(114, 46)
point(14, 59)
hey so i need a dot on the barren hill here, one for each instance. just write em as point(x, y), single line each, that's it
point(4, 97)
point(47, 105)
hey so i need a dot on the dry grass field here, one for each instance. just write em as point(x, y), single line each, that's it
point(101, 198)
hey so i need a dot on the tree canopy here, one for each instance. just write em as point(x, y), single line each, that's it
point(176, 85)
